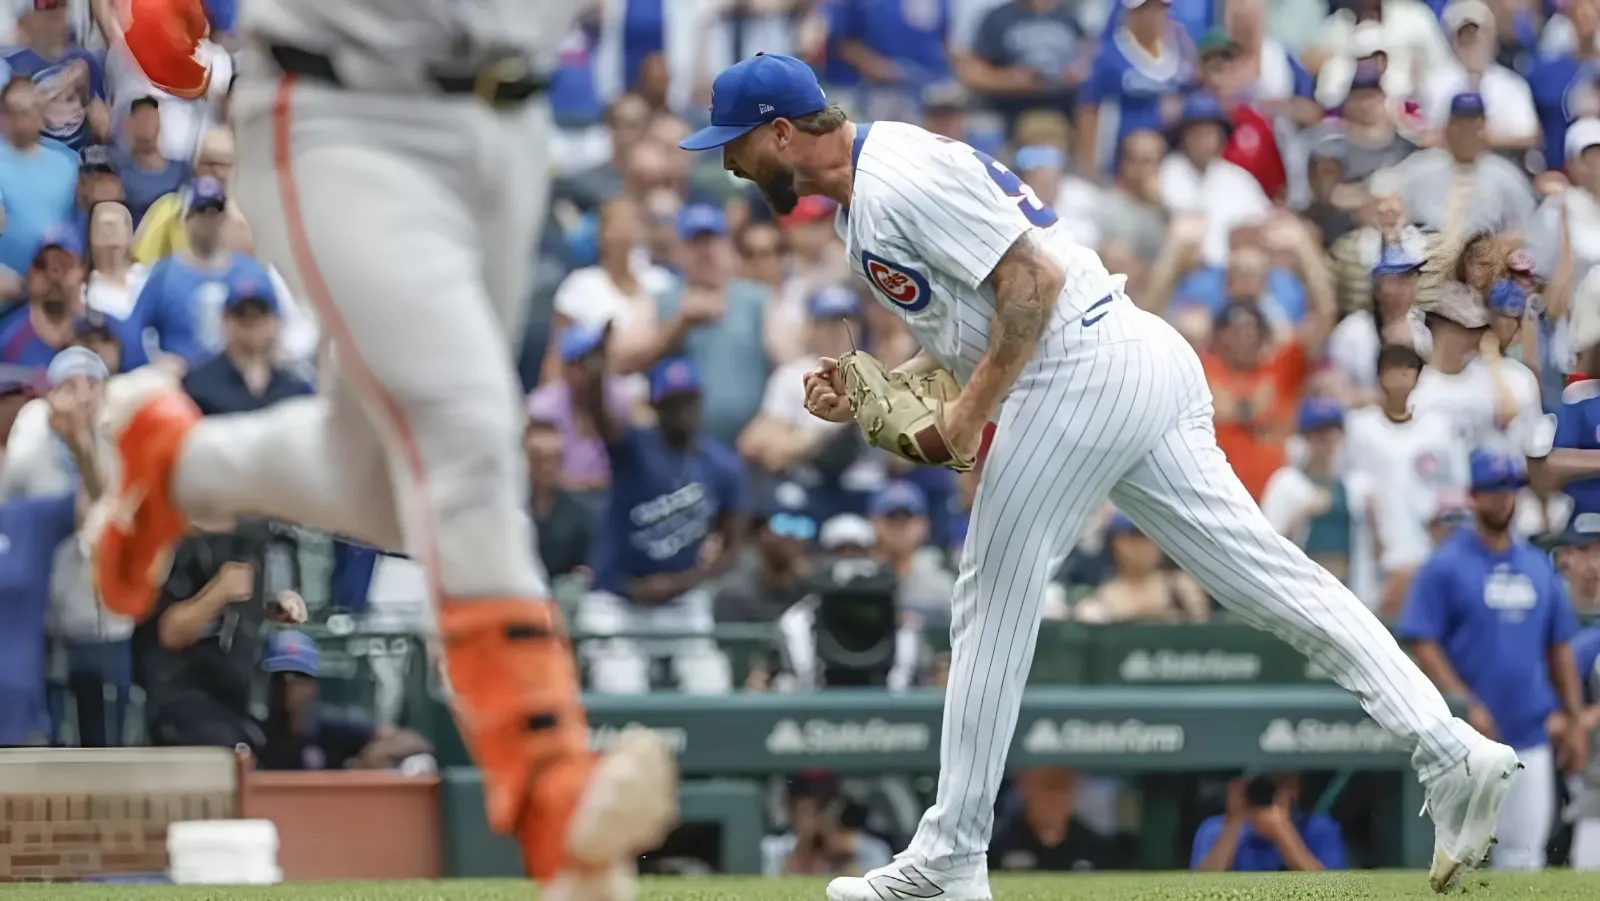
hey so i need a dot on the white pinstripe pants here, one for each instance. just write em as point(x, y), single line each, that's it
point(1120, 408)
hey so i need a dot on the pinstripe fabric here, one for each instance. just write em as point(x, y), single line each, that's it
point(1121, 408)
point(1112, 403)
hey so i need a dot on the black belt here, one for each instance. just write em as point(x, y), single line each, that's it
point(503, 80)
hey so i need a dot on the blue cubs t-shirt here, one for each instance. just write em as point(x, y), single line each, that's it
point(661, 506)
point(1565, 89)
point(1129, 86)
point(180, 309)
point(1495, 615)
point(1578, 427)
point(912, 33)
point(30, 531)
point(66, 87)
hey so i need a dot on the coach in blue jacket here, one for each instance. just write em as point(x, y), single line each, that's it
point(1488, 620)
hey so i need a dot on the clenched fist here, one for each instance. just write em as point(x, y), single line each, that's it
point(825, 398)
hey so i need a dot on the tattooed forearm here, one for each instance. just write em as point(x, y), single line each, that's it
point(1026, 283)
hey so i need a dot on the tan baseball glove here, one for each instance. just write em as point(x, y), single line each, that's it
point(900, 413)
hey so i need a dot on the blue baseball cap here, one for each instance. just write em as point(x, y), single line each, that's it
point(1120, 524)
point(1582, 529)
point(1394, 260)
point(579, 340)
point(698, 219)
point(1491, 471)
point(289, 651)
point(1203, 107)
point(1320, 413)
point(60, 237)
point(899, 496)
point(250, 288)
point(206, 194)
point(1507, 298)
point(753, 92)
point(1466, 105)
point(672, 377)
point(72, 362)
point(835, 302)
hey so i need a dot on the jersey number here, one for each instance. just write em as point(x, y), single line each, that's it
point(1011, 183)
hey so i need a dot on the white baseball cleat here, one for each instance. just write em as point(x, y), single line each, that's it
point(630, 805)
point(908, 879)
point(1465, 806)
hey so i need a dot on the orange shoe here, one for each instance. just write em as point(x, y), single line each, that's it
point(580, 820)
point(134, 528)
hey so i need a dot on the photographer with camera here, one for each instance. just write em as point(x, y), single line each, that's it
point(196, 656)
point(826, 834)
point(1263, 830)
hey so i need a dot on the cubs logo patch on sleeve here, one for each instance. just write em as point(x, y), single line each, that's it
point(905, 288)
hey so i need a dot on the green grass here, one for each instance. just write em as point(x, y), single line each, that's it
point(1366, 886)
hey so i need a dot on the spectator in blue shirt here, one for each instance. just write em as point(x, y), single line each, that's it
point(37, 182)
point(1488, 621)
point(70, 78)
point(30, 334)
point(1138, 82)
point(146, 174)
point(184, 294)
point(245, 376)
point(896, 47)
point(31, 529)
point(1263, 830)
point(674, 521)
point(1565, 85)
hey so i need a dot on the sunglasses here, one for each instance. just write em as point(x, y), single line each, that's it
point(793, 525)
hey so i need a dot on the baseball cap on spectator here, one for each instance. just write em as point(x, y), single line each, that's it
point(1581, 135)
point(1394, 260)
point(1329, 145)
point(289, 651)
point(898, 496)
point(1583, 530)
point(1457, 303)
point(1368, 76)
point(673, 377)
point(1039, 156)
point(1320, 413)
point(1201, 107)
point(782, 510)
point(847, 530)
point(1119, 524)
point(1492, 471)
point(1458, 14)
point(834, 302)
point(1135, 4)
point(59, 237)
point(810, 209)
point(1506, 298)
point(699, 219)
point(1466, 105)
point(250, 295)
point(579, 340)
point(73, 362)
point(754, 92)
point(813, 784)
point(206, 195)
point(1216, 42)
point(944, 98)
point(96, 159)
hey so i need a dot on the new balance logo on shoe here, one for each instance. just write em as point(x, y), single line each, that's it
point(910, 882)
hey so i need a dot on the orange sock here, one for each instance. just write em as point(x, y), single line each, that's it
point(521, 716)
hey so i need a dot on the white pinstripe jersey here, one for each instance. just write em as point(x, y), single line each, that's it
point(430, 31)
point(928, 220)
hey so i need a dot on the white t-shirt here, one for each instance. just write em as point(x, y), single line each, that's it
point(1415, 466)
point(1468, 400)
point(785, 397)
point(1227, 195)
point(589, 295)
point(112, 299)
point(182, 121)
point(1507, 100)
point(1353, 349)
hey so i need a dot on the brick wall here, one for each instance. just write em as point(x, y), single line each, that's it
point(118, 826)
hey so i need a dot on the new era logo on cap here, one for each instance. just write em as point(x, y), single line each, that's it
point(749, 94)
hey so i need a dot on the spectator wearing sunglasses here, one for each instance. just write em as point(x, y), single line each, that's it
point(770, 576)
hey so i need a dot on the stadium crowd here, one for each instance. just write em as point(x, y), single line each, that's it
point(1377, 221)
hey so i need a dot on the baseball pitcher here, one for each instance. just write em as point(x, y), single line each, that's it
point(391, 165)
point(1093, 397)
